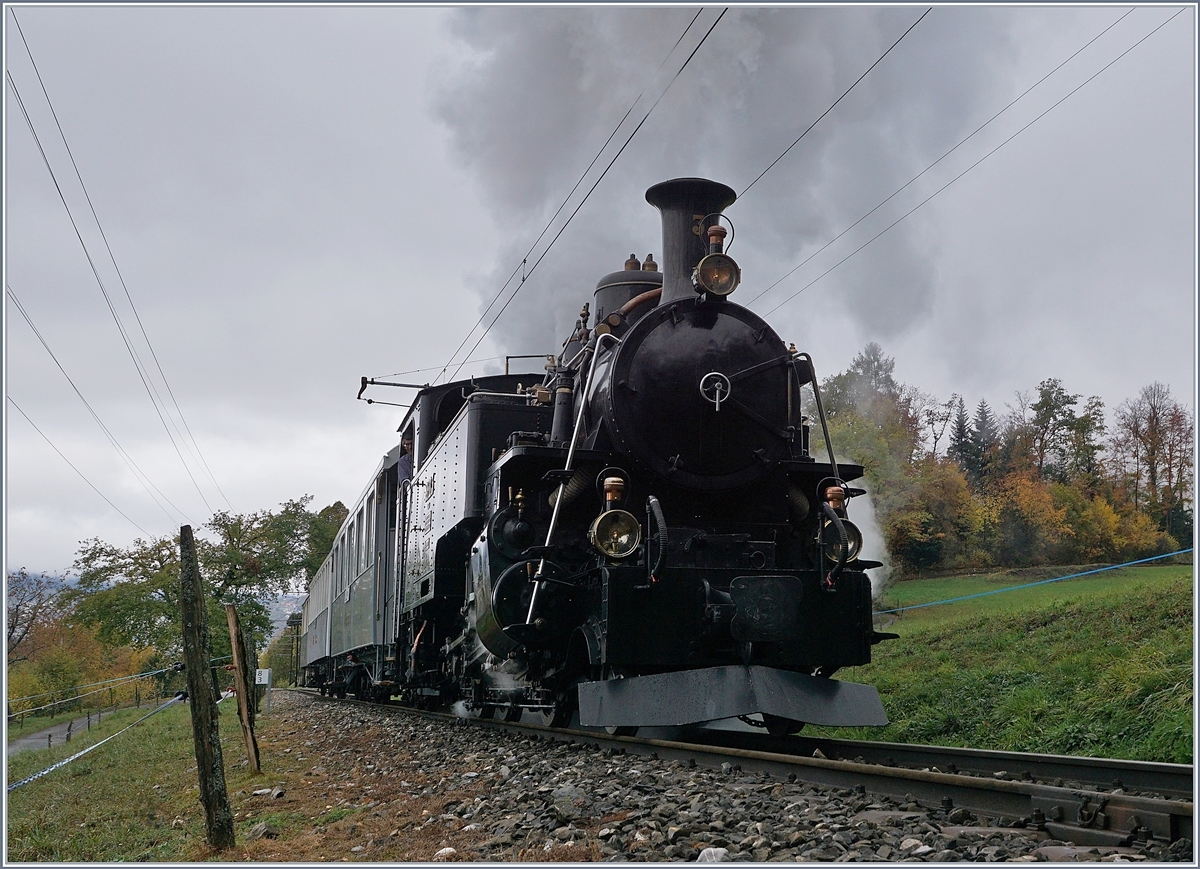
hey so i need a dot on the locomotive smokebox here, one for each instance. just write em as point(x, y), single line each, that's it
point(684, 203)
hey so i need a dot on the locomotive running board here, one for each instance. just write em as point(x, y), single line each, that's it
point(693, 696)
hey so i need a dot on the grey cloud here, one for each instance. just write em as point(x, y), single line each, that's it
point(759, 80)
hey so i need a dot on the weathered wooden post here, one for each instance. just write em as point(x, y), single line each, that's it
point(197, 651)
point(70, 724)
point(243, 686)
point(249, 664)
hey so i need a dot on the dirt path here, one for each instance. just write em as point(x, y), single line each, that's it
point(57, 734)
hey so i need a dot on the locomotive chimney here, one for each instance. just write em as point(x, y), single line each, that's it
point(684, 203)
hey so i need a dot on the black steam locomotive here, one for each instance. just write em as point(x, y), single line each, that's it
point(641, 537)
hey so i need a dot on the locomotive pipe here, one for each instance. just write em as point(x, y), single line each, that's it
point(560, 426)
point(684, 202)
point(821, 411)
point(660, 525)
point(638, 301)
point(594, 347)
point(829, 583)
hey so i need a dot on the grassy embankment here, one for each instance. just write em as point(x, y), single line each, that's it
point(1100, 665)
point(120, 801)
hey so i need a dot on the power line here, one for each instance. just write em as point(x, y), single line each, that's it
point(938, 160)
point(976, 163)
point(120, 328)
point(140, 475)
point(591, 190)
point(835, 102)
point(113, 258)
point(73, 468)
point(566, 199)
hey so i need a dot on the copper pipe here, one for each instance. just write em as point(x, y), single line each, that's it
point(637, 301)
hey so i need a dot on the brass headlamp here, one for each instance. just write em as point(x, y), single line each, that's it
point(615, 533)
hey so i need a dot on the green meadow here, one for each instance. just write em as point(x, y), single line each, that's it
point(1100, 665)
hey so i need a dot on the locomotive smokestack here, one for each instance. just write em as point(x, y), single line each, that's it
point(684, 202)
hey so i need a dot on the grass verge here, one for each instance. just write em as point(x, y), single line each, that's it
point(1098, 666)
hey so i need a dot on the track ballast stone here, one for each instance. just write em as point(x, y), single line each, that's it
point(498, 796)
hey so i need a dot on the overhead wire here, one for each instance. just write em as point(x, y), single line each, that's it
point(120, 276)
point(963, 141)
point(73, 468)
point(108, 300)
point(908, 213)
point(835, 102)
point(592, 189)
point(138, 473)
point(553, 217)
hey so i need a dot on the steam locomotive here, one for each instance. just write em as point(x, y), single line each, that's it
point(640, 537)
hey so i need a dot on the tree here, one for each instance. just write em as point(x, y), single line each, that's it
point(1053, 423)
point(1025, 523)
point(131, 595)
point(1150, 457)
point(323, 527)
point(983, 443)
point(937, 417)
point(1084, 446)
point(31, 600)
point(960, 437)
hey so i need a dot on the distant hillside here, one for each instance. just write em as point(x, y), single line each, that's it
point(282, 607)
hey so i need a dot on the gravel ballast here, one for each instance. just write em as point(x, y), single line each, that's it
point(416, 789)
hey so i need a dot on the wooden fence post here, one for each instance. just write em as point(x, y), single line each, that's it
point(197, 651)
point(244, 700)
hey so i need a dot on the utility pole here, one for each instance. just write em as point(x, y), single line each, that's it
point(243, 686)
point(197, 651)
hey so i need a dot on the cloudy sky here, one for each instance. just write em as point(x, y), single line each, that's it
point(296, 197)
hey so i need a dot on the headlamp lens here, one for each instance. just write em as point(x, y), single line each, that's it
point(616, 533)
point(718, 274)
point(833, 544)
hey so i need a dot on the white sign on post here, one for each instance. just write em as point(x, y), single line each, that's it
point(263, 677)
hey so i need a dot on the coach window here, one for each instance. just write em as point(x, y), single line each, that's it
point(333, 570)
point(370, 551)
point(358, 545)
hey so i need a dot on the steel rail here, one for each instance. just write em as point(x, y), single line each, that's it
point(1071, 814)
point(1170, 779)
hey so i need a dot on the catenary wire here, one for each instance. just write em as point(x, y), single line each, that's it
point(566, 199)
point(973, 165)
point(138, 473)
point(835, 102)
point(73, 468)
point(120, 276)
point(592, 189)
point(108, 300)
point(963, 141)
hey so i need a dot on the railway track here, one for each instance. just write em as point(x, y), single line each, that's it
point(1086, 801)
